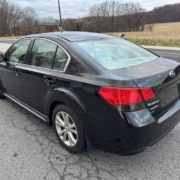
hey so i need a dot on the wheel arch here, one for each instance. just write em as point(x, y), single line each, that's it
point(65, 97)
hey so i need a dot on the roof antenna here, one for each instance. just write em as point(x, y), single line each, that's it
point(60, 17)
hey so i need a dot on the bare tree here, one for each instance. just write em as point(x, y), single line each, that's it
point(10, 18)
point(15, 19)
point(115, 16)
point(108, 16)
point(29, 22)
point(4, 9)
point(149, 27)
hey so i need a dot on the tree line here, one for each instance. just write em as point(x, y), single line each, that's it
point(167, 13)
point(17, 21)
point(108, 16)
point(114, 16)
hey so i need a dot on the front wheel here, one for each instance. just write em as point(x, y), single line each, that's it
point(68, 129)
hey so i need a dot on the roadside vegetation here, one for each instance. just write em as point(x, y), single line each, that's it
point(161, 34)
point(158, 42)
point(10, 37)
point(154, 27)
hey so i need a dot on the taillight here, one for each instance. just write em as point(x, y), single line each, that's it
point(126, 96)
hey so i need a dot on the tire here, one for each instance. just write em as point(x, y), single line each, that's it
point(1, 95)
point(72, 125)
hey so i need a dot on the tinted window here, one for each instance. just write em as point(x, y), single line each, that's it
point(17, 52)
point(60, 59)
point(43, 53)
point(116, 53)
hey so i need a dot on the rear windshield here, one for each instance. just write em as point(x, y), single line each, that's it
point(116, 53)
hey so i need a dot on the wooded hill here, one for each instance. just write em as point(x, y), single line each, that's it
point(167, 13)
point(108, 16)
point(112, 16)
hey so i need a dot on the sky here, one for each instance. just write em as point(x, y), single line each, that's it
point(78, 8)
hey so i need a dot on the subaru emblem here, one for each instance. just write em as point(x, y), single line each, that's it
point(172, 74)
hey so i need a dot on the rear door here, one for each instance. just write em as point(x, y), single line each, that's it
point(38, 75)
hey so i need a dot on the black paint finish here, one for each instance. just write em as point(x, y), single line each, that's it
point(105, 126)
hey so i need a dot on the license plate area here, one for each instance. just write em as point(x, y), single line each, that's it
point(168, 94)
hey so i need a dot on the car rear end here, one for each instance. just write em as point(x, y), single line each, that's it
point(163, 109)
point(150, 110)
point(140, 105)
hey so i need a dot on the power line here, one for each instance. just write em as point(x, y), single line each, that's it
point(40, 4)
point(37, 3)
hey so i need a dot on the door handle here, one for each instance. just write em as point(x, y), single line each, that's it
point(49, 81)
point(17, 72)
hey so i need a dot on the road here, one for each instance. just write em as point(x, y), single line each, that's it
point(7, 41)
point(29, 150)
point(170, 54)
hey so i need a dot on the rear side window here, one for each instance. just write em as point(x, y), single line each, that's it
point(116, 53)
point(17, 53)
point(43, 53)
point(61, 59)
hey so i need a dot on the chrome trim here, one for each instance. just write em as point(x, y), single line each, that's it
point(67, 63)
point(28, 108)
point(170, 113)
point(20, 66)
point(69, 57)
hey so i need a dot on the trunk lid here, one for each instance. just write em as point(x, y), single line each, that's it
point(163, 76)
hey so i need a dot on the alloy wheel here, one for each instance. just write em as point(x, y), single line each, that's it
point(66, 128)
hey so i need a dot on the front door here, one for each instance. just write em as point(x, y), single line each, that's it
point(9, 76)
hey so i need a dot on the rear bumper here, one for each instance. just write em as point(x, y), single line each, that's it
point(117, 135)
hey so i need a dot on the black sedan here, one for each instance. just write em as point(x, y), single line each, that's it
point(96, 90)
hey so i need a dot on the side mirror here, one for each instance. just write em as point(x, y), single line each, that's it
point(1, 57)
point(122, 35)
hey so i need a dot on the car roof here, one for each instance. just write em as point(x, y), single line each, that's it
point(73, 36)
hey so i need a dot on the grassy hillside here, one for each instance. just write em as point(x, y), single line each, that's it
point(162, 34)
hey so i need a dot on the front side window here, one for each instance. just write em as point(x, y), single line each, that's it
point(17, 53)
point(116, 53)
point(43, 53)
point(60, 60)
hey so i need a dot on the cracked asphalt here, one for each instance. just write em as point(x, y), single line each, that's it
point(29, 150)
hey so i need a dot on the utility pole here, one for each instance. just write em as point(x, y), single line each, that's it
point(60, 17)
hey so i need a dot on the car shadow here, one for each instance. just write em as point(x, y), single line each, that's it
point(161, 160)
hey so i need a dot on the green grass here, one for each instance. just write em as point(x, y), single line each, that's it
point(158, 42)
point(10, 37)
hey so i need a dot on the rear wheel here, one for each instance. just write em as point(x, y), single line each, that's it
point(1, 95)
point(68, 129)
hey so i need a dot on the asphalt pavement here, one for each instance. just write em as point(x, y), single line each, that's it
point(29, 150)
point(7, 41)
point(170, 54)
